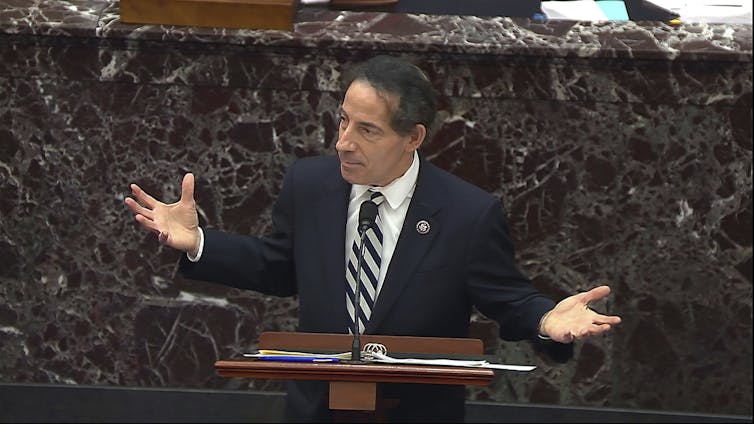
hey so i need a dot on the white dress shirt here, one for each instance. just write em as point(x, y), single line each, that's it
point(392, 214)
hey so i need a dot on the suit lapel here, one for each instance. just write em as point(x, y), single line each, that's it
point(412, 245)
point(331, 215)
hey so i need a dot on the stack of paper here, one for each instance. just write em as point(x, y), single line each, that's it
point(290, 356)
point(376, 357)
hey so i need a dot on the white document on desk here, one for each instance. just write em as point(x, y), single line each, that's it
point(709, 11)
point(578, 10)
point(378, 357)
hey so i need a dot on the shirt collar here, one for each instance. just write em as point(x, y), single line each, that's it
point(398, 190)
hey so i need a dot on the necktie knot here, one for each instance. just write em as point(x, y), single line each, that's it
point(377, 197)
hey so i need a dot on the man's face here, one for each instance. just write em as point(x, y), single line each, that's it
point(370, 151)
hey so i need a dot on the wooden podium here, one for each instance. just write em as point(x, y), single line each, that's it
point(353, 386)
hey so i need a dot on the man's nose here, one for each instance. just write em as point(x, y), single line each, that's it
point(345, 143)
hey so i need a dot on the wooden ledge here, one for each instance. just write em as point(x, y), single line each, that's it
point(245, 14)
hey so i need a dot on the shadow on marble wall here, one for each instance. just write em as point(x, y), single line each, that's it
point(634, 173)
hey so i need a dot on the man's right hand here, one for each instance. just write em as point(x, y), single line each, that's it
point(176, 224)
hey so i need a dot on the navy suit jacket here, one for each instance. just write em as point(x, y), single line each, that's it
point(433, 282)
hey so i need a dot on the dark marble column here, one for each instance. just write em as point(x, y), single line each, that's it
point(622, 153)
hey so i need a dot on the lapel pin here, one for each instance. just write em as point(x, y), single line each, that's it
point(422, 227)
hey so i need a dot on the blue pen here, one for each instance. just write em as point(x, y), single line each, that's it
point(295, 358)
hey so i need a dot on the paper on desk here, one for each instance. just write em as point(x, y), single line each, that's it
point(709, 11)
point(269, 352)
point(579, 10)
point(385, 359)
point(378, 357)
point(614, 10)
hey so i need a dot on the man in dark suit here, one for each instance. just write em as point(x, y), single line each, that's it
point(440, 245)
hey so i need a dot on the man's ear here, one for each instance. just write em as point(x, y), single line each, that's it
point(417, 137)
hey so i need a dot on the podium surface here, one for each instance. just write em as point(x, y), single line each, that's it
point(368, 372)
point(353, 386)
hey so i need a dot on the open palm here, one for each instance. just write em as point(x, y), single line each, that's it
point(571, 319)
point(175, 224)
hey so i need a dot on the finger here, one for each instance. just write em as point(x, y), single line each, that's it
point(607, 319)
point(187, 188)
point(147, 224)
point(599, 329)
point(137, 209)
point(589, 331)
point(595, 294)
point(143, 197)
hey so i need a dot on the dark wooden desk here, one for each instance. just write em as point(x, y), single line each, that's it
point(353, 386)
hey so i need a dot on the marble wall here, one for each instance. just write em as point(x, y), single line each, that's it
point(622, 153)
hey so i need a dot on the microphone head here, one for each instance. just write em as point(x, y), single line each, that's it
point(367, 215)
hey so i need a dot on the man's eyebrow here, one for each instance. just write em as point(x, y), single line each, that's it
point(367, 124)
point(370, 125)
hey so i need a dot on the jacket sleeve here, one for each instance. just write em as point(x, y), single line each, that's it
point(500, 291)
point(262, 264)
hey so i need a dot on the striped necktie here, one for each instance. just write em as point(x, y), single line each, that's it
point(370, 271)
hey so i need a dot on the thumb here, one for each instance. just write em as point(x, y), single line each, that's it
point(596, 294)
point(187, 188)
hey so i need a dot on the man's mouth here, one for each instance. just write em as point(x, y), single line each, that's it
point(349, 163)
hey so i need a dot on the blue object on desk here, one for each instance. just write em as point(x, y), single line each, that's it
point(615, 10)
point(295, 358)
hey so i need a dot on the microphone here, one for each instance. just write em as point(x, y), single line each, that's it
point(367, 216)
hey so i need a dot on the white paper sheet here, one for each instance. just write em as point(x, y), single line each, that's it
point(578, 10)
point(709, 11)
point(378, 357)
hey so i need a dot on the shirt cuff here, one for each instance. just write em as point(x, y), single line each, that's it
point(539, 327)
point(201, 248)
